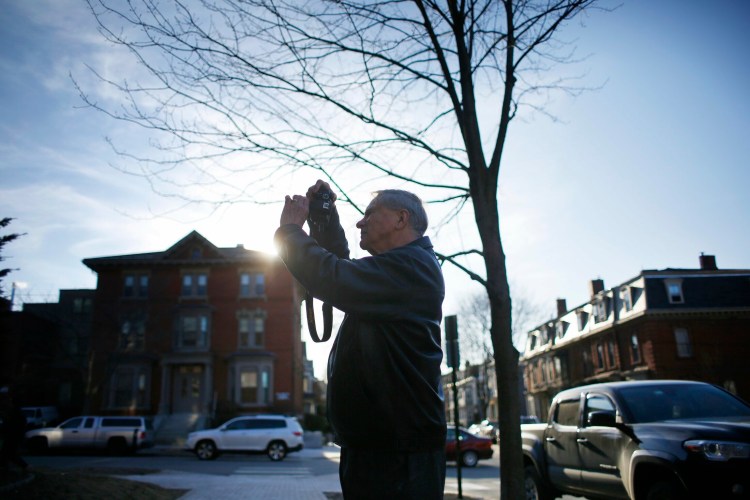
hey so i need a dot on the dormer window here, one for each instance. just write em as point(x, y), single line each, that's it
point(626, 296)
point(583, 318)
point(601, 310)
point(560, 328)
point(674, 291)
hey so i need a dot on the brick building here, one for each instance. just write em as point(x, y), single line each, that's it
point(196, 329)
point(661, 324)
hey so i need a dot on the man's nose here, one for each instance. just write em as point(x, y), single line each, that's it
point(360, 223)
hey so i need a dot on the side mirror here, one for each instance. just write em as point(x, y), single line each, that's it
point(601, 419)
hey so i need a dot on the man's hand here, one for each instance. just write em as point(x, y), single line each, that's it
point(295, 210)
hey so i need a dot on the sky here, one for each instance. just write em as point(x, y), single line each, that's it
point(645, 171)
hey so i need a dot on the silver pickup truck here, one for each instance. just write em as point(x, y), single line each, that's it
point(117, 434)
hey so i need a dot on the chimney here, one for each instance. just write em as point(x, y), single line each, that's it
point(562, 307)
point(596, 286)
point(708, 262)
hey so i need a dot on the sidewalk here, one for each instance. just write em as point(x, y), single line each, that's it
point(212, 487)
point(265, 487)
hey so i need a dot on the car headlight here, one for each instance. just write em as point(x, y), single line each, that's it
point(719, 451)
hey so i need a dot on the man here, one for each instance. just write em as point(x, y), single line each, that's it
point(385, 400)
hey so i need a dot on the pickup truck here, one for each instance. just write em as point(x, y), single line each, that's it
point(643, 440)
point(117, 434)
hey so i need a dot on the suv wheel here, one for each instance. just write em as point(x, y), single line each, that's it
point(206, 450)
point(276, 451)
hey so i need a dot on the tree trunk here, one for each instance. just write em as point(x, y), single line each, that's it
point(505, 354)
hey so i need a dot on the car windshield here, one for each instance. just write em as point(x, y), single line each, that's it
point(653, 403)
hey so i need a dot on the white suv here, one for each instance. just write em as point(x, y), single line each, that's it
point(274, 435)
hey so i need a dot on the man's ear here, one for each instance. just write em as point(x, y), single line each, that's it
point(403, 219)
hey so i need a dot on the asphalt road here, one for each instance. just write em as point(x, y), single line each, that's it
point(477, 482)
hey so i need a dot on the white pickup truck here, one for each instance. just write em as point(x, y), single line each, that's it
point(117, 434)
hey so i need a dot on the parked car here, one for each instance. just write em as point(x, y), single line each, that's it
point(40, 416)
point(274, 435)
point(486, 428)
point(654, 439)
point(117, 434)
point(472, 448)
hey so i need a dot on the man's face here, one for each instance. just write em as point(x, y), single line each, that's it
point(377, 228)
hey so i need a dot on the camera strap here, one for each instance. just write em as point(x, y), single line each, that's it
point(327, 319)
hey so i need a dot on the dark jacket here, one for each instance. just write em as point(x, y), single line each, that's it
point(384, 389)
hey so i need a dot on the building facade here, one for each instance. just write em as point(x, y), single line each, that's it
point(196, 329)
point(662, 324)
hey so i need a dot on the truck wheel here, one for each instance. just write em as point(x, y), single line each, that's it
point(469, 458)
point(665, 489)
point(276, 451)
point(206, 450)
point(533, 487)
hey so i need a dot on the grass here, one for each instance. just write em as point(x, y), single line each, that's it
point(80, 484)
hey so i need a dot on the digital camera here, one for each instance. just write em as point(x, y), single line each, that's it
point(321, 206)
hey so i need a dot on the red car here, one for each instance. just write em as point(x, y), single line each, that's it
point(473, 448)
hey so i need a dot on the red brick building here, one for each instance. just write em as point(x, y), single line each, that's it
point(662, 324)
point(196, 329)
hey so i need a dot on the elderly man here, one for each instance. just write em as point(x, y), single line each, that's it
point(385, 400)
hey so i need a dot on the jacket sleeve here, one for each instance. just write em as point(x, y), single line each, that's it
point(390, 285)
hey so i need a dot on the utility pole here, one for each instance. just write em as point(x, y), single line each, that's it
point(454, 361)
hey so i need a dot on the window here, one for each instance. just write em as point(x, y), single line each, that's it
point(627, 298)
point(135, 286)
point(533, 340)
point(588, 366)
point(129, 388)
point(193, 331)
point(598, 403)
point(600, 310)
point(611, 359)
point(561, 328)
point(583, 318)
point(600, 356)
point(684, 346)
point(252, 285)
point(194, 284)
point(254, 385)
point(81, 305)
point(73, 423)
point(674, 291)
point(566, 413)
point(132, 334)
point(252, 328)
point(635, 349)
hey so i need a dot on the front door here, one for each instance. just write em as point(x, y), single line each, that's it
point(187, 389)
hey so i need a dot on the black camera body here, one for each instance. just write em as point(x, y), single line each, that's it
point(320, 208)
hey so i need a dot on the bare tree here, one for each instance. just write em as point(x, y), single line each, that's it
point(475, 337)
point(418, 92)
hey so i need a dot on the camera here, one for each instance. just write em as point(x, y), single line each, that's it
point(321, 206)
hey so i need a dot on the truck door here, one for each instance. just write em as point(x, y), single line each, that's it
point(561, 448)
point(598, 447)
point(69, 431)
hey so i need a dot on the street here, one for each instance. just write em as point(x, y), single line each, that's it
point(315, 465)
